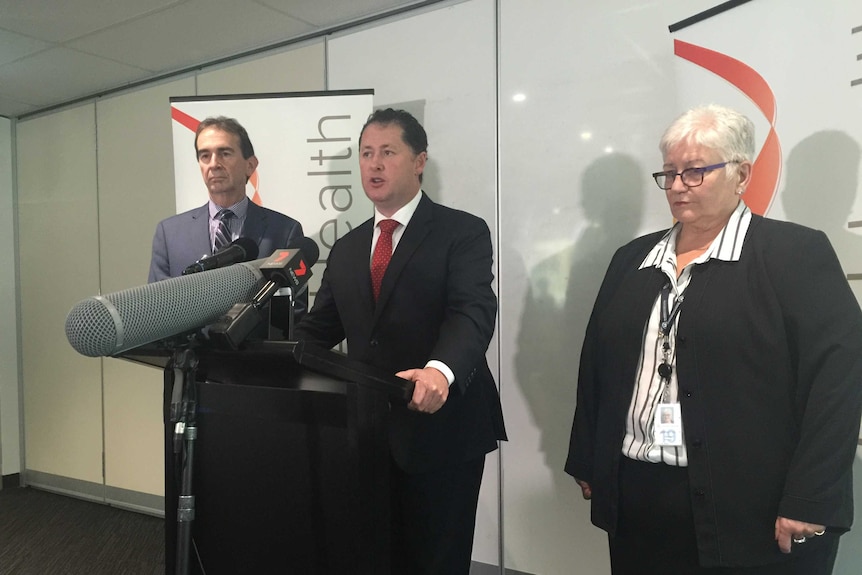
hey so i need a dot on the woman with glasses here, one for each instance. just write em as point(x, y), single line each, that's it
point(720, 384)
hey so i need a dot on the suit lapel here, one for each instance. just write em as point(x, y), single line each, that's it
point(417, 230)
point(199, 236)
point(360, 262)
point(255, 223)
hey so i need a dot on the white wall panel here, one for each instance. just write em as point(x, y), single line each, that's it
point(298, 69)
point(10, 421)
point(136, 190)
point(59, 266)
point(441, 66)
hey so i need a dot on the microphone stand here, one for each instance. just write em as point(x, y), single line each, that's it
point(182, 370)
point(286, 334)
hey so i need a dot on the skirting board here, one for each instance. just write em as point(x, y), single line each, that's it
point(114, 496)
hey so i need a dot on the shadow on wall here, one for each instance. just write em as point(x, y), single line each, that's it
point(559, 299)
point(821, 184)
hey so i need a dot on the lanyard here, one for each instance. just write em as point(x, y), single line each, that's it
point(667, 317)
point(666, 321)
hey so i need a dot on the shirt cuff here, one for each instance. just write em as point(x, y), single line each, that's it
point(442, 368)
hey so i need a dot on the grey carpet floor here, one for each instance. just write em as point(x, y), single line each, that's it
point(43, 533)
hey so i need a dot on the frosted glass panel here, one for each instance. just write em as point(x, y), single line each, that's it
point(440, 66)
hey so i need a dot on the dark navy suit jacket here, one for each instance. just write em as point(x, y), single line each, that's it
point(435, 302)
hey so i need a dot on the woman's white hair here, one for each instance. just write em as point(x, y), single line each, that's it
point(716, 127)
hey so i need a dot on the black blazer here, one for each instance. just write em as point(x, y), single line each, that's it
point(435, 302)
point(769, 360)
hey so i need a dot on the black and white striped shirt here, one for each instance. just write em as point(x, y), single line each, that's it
point(638, 443)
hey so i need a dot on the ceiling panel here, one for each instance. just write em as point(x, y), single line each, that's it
point(12, 107)
point(191, 33)
point(62, 20)
point(56, 51)
point(14, 46)
point(60, 74)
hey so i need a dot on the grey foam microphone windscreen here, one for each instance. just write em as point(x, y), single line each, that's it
point(110, 324)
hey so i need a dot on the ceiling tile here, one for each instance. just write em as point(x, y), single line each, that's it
point(107, 44)
point(62, 20)
point(59, 75)
point(14, 46)
point(11, 108)
point(192, 33)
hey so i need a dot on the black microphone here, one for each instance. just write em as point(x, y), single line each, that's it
point(109, 324)
point(289, 267)
point(239, 250)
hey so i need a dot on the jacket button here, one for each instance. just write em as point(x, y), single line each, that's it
point(373, 343)
point(687, 392)
point(700, 493)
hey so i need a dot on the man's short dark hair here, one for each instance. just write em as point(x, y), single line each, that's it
point(230, 126)
point(413, 133)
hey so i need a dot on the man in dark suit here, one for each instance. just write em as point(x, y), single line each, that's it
point(431, 323)
point(226, 158)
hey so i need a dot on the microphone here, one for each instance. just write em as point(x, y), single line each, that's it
point(290, 267)
point(239, 250)
point(110, 324)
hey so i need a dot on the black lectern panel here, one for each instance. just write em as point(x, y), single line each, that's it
point(273, 482)
point(291, 465)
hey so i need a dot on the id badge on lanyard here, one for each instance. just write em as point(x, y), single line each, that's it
point(667, 425)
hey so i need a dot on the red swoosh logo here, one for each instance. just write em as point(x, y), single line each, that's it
point(767, 167)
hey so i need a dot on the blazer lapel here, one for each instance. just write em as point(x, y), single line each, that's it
point(360, 258)
point(417, 230)
point(199, 233)
point(255, 223)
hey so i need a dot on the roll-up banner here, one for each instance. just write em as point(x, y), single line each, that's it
point(797, 73)
point(306, 144)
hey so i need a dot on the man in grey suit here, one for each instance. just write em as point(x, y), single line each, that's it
point(226, 158)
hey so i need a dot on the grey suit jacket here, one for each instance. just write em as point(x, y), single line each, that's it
point(183, 239)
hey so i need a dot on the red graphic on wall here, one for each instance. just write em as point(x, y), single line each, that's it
point(192, 124)
point(767, 167)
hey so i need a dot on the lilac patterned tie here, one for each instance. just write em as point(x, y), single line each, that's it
point(222, 234)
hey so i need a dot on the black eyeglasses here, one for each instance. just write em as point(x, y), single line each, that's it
point(691, 177)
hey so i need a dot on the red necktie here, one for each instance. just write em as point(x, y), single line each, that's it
point(382, 254)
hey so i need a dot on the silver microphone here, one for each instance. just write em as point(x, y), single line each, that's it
point(109, 324)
